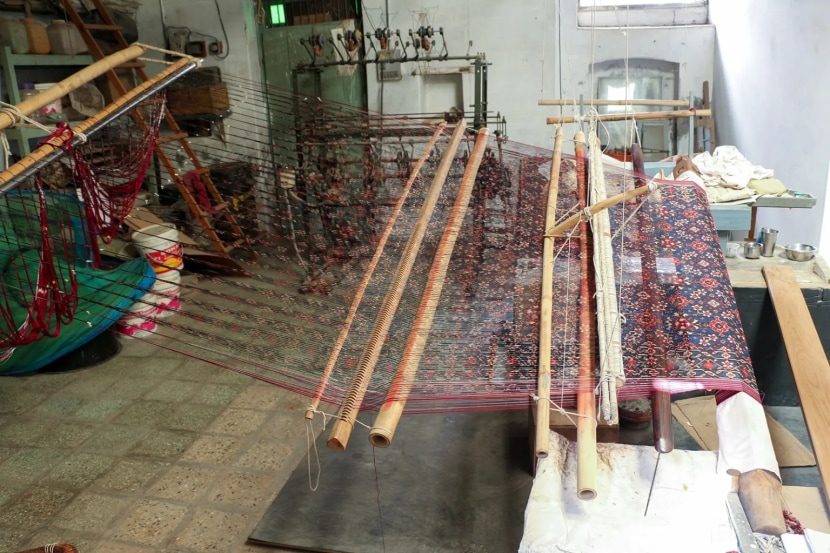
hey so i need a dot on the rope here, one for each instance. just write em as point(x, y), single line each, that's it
point(536, 399)
point(197, 61)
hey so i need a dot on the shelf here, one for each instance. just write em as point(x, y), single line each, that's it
point(49, 60)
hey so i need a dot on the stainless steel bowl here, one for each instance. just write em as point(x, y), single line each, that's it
point(800, 252)
point(752, 250)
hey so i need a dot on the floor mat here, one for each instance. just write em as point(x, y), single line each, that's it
point(449, 483)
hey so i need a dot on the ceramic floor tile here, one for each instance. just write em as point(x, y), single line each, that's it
point(49, 383)
point(244, 489)
point(265, 456)
point(130, 475)
point(238, 422)
point(28, 465)
point(145, 413)
point(114, 439)
point(121, 547)
point(225, 376)
point(93, 384)
point(20, 432)
point(208, 531)
point(35, 507)
point(157, 367)
point(58, 406)
point(90, 512)
point(191, 416)
point(150, 522)
point(173, 390)
point(133, 388)
point(184, 483)
point(101, 409)
point(65, 435)
point(211, 450)
point(6, 452)
point(11, 538)
point(193, 369)
point(163, 444)
point(264, 398)
point(8, 492)
point(15, 402)
point(215, 394)
point(79, 470)
point(289, 426)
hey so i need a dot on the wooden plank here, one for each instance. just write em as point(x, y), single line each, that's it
point(811, 370)
point(808, 506)
point(697, 416)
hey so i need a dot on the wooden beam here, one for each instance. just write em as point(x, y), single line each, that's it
point(681, 103)
point(635, 116)
point(808, 361)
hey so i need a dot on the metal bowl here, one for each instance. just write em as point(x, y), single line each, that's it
point(800, 252)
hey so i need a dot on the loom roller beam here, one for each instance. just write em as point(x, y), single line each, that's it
point(383, 430)
point(342, 430)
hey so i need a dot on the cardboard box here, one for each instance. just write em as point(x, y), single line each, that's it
point(201, 100)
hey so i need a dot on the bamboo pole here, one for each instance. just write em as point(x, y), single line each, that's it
point(586, 428)
point(58, 141)
point(635, 116)
point(571, 221)
point(344, 332)
point(347, 416)
point(89, 73)
point(681, 103)
point(383, 430)
point(612, 374)
point(541, 446)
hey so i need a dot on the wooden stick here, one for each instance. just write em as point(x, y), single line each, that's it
point(89, 73)
point(57, 142)
point(361, 290)
point(542, 442)
point(634, 116)
point(808, 361)
point(386, 422)
point(571, 221)
point(586, 427)
point(682, 103)
point(347, 416)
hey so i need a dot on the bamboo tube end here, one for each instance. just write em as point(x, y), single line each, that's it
point(309, 415)
point(380, 437)
point(586, 494)
point(340, 434)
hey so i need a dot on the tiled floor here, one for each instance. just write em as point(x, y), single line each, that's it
point(149, 451)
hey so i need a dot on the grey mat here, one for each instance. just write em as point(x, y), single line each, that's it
point(449, 483)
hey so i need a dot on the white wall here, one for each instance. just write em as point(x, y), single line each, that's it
point(201, 16)
point(527, 44)
point(769, 100)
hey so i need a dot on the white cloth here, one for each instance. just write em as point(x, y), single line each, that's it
point(687, 513)
point(728, 167)
point(743, 437)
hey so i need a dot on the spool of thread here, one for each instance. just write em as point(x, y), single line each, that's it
point(167, 287)
point(160, 244)
point(140, 320)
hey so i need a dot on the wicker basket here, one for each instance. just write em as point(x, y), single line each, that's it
point(200, 100)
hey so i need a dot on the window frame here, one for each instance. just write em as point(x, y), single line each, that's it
point(642, 13)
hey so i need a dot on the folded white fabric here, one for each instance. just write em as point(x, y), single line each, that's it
point(728, 167)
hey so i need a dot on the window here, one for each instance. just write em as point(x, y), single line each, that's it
point(276, 15)
point(624, 13)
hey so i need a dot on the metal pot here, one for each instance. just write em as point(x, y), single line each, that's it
point(752, 250)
